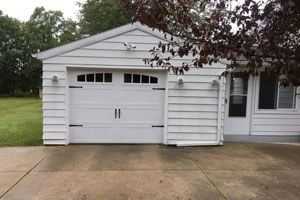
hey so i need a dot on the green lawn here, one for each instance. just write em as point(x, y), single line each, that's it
point(20, 121)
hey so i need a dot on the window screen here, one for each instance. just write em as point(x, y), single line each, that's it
point(286, 98)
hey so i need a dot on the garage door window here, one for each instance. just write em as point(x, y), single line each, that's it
point(90, 77)
point(81, 78)
point(139, 78)
point(108, 77)
point(97, 77)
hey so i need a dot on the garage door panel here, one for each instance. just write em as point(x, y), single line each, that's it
point(94, 105)
point(113, 135)
point(131, 115)
point(87, 96)
point(92, 134)
point(141, 135)
point(142, 96)
point(88, 115)
point(138, 108)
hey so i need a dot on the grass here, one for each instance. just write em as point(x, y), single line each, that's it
point(20, 121)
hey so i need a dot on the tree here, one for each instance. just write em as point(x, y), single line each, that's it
point(100, 15)
point(267, 33)
point(45, 30)
point(48, 29)
point(20, 72)
point(12, 55)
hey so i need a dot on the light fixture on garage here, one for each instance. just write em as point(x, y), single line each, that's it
point(180, 80)
point(129, 45)
point(55, 77)
point(215, 82)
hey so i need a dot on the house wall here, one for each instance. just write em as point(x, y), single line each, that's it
point(275, 122)
point(194, 109)
point(54, 105)
point(266, 125)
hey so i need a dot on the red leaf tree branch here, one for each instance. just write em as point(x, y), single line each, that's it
point(263, 34)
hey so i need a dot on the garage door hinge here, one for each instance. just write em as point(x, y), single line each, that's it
point(158, 126)
point(72, 125)
point(158, 88)
point(75, 86)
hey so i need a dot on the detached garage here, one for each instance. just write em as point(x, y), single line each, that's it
point(99, 90)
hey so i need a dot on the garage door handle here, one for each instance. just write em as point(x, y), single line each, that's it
point(119, 113)
point(116, 113)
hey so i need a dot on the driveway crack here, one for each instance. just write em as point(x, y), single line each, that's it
point(23, 177)
point(213, 184)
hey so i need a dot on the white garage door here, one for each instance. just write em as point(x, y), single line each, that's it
point(109, 106)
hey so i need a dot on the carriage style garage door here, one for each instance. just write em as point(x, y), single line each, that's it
point(111, 106)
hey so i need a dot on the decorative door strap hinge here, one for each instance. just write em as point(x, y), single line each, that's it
point(74, 125)
point(158, 126)
point(158, 88)
point(75, 86)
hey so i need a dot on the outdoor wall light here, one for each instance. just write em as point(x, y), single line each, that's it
point(180, 80)
point(215, 82)
point(55, 77)
point(129, 45)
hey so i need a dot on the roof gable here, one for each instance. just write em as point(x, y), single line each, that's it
point(98, 38)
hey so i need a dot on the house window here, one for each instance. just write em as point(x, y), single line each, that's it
point(272, 95)
point(238, 95)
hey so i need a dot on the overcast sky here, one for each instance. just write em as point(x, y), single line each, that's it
point(22, 9)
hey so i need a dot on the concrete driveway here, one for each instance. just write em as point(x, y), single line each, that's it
point(233, 171)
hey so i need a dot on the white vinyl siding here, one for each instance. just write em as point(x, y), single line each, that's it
point(54, 105)
point(276, 123)
point(193, 106)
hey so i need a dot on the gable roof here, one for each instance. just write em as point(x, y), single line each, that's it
point(97, 38)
